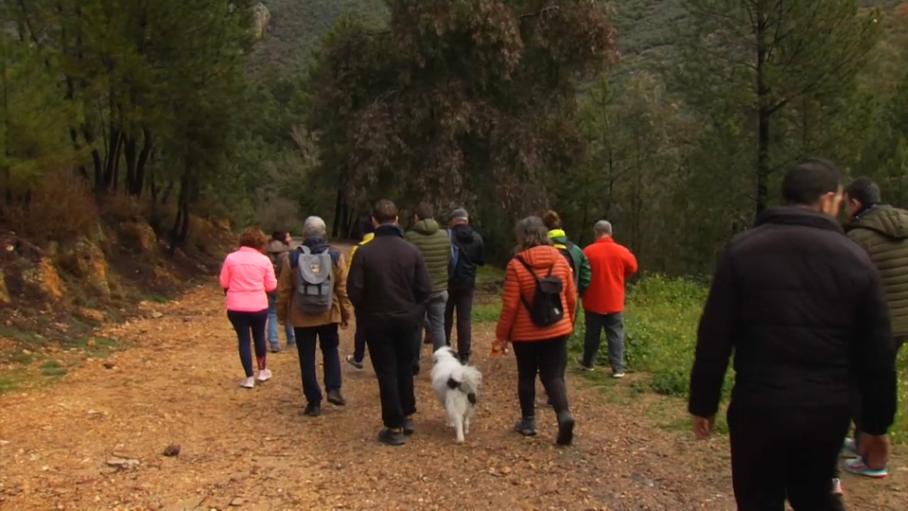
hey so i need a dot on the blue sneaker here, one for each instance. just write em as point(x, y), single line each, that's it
point(858, 467)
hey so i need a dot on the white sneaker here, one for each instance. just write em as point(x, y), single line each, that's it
point(248, 383)
point(618, 375)
point(264, 375)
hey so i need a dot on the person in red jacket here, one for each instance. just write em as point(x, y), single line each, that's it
point(603, 302)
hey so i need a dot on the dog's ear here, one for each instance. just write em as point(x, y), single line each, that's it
point(471, 397)
point(453, 384)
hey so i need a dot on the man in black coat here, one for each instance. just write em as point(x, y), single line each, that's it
point(802, 308)
point(467, 255)
point(389, 285)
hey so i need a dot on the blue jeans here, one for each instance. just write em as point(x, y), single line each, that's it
point(272, 325)
point(328, 338)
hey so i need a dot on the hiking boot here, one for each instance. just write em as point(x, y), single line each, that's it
point(389, 436)
point(335, 397)
point(858, 467)
point(352, 361)
point(275, 348)
point(526, 426)
point(312, 410)
point(248, 383)
point(264, 375)
point(584, 367)
point(565, 428)
point(409, 428)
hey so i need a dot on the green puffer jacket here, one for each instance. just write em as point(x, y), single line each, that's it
point(436, 249)
point(583, 274)
point(883, 232)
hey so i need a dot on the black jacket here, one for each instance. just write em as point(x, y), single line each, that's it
point(388, 281)
point(803, 309)
point(468, 254)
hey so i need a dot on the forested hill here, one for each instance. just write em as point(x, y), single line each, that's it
point(298, 26)
point(647, 29)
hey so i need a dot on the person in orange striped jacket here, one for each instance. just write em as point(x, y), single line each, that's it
point(538, 349)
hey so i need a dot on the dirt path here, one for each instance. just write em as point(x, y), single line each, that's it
point(252, 449)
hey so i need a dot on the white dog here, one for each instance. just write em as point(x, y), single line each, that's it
point(457, 388)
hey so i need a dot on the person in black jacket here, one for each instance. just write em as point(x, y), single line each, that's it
point(467, 255)
point(802, 308)
point(389, 286)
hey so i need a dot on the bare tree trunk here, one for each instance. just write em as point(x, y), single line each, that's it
point(764, 112)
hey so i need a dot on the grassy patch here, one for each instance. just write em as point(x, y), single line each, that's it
point(661, 326)
point(486, 312)
point(156, 298)
point(52, 369)
point(12, 380)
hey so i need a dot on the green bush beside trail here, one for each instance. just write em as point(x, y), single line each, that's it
point(661, 324)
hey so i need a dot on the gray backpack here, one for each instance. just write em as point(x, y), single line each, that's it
point(315, 290)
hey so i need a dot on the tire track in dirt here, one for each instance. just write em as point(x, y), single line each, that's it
point(253, 449)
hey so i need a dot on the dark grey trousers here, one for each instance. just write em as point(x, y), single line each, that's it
point(613, 324)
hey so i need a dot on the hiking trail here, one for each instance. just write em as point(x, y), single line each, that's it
point(242, 449)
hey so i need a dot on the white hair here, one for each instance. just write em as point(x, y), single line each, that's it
point(603, 228)
point(314, 227)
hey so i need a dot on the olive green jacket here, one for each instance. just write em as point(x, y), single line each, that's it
point(883, 232)
point(435, 246)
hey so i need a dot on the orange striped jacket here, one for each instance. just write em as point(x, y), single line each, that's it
point(515, 324)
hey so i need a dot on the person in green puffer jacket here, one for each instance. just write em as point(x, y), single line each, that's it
point(574, 254)
point(435, 246)
point(883, 232)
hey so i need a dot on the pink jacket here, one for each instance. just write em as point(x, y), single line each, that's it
point(247, 275)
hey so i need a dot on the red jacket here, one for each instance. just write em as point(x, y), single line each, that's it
point(515, 324)
point(610, 263)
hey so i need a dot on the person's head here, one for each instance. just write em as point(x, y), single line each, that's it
point(253, 237)
point(602, 228)
point(531, 232)
point(814, 184)
point(552, 220)
point(366, 226)
point(424, 211)
point(314, 228)
point(384, 213)
point(459, 216)
point(288, 237)
point(861, 194)
point(278, 236)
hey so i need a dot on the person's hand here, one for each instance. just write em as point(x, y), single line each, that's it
point(703, 426)
point(499, 347)
point(345, 324)
point(874, 450)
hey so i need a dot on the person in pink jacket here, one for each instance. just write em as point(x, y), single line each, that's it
point(247, 277)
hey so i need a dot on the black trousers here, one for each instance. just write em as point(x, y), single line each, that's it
point(545, 358)
point(327, 338)
point(245, 323)
point(461, 302)
point(391, 350)
point(785, 452)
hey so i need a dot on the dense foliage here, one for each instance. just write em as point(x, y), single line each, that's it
point(673, 119)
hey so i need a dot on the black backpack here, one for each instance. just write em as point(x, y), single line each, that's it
point(546, 308)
